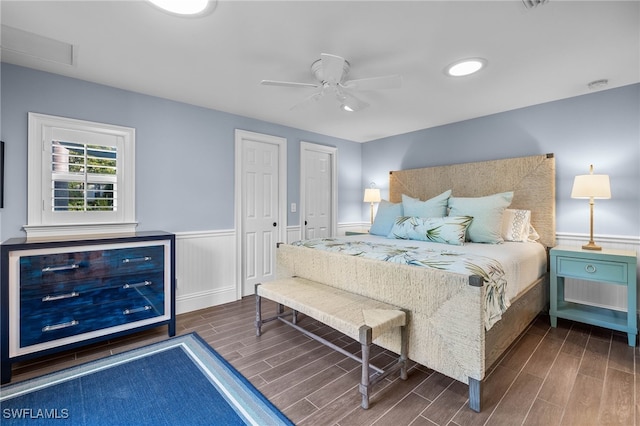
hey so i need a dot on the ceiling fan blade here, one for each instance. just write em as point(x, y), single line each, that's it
point(349, 102)
point(332, 68)
point(288, 84)
point(314, 97)
point(374, 83)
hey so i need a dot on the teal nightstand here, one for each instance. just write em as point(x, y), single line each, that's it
point(357, 232)
point(610, 267)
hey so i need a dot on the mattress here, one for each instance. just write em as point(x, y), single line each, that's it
point(523, 263)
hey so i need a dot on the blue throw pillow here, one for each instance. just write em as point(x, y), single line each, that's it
point(433, 207)
point(487, 213)
point(385, 217)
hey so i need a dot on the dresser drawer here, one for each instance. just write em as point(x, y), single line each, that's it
point(136, 259)
point(72, 317)
point(50, 291)
point(594, 270)
point(61, 267)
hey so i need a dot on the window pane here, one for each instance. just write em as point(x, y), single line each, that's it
point(83, 177)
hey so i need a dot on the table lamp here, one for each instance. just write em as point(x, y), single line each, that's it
point(371, 195)
point(591, 186)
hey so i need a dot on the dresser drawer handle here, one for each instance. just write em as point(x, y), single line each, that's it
point(590, 268)
point(136, 259)
point(136, 310)
point(135, 285)
point(61, 296)
point(60, 268)
point(60, 326)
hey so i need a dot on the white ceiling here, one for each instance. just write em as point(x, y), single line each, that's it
point(217, 61)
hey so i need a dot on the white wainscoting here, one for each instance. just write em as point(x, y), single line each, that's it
point(205, 266)
point(206, 272)
point(205, 269)
point(593, 293)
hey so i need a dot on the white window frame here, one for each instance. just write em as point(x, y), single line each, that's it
point(41, 220)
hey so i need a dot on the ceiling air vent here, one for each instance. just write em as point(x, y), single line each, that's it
point(19, 42)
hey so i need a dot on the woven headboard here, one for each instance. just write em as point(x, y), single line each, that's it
point(532, 180)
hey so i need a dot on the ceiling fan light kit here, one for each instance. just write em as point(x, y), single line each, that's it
point(331, 71)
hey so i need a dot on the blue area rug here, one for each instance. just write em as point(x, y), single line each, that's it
point(180, 381)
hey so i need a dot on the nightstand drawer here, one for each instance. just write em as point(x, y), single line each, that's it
point(594, 270)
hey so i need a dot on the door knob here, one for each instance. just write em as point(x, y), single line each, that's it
point(275, 224)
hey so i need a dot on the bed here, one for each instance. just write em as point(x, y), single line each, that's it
point(449, 328)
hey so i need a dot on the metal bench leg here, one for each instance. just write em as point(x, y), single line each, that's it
point(258, 312)
point(365, 341)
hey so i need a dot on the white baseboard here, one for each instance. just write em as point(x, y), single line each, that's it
point(204, 299)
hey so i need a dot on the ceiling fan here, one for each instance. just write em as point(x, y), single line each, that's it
point(331, 72)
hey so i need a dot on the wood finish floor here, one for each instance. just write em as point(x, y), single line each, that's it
point(571, 375)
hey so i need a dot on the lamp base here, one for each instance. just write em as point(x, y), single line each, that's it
point(591, 246)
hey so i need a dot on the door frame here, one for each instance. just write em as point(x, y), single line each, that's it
point(333, 153)
point(240, 136)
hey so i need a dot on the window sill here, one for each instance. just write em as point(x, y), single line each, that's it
point(74, 230)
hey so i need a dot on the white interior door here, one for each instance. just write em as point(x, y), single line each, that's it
point(318, 190)
point(260, 205)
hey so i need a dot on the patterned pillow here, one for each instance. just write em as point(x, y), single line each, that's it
point(447, 230)
point(515, 225)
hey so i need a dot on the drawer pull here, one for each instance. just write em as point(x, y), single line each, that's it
point(60, 326)
point(590, 268)
point(61, 296)
point(136, 310)
point(61, 268)
point(136, 259)
point(135, 285)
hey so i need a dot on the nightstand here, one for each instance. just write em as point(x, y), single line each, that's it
point(357, 232)
point(609, 267)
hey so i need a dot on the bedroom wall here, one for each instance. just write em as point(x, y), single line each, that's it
point(601, 128)
point(184, 169)
point(184, 158)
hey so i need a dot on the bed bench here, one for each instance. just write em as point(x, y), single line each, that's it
point(356, 316)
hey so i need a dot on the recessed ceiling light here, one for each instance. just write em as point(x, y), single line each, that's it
point(184, 7)
point(465, 67)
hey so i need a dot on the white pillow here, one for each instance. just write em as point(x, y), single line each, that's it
point(515, 225)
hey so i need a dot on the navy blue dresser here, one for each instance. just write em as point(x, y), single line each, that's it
point(62, 294)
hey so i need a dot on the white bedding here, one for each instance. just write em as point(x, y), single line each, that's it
point(523, 263)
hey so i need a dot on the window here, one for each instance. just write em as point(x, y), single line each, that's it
point(81, 177)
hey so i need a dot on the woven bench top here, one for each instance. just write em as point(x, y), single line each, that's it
point(339, 309)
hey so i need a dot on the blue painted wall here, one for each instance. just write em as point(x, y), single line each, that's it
point(184, 153)
point(601, 128)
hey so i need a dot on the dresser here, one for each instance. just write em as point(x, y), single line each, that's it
point(58, 295)
point(610, 268)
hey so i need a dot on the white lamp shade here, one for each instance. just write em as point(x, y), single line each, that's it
point(372, 195)
point(587, 186)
